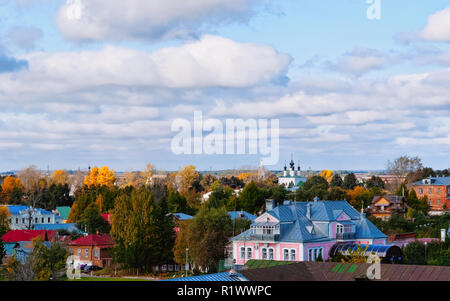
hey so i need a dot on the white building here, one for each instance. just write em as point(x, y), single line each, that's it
point(291, 178)
point(20, 217)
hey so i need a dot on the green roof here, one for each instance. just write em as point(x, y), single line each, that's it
point(64, 211)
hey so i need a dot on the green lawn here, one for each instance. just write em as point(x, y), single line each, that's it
point(107, 279)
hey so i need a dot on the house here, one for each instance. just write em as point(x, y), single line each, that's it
point(303, 231)
point(92, 250)
point(20, 242)
point(63, 212)
point(384, 206)
point(291, 179)
point(24, 217)
point(437, 191)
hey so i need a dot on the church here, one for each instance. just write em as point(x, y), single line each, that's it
point(292, 178)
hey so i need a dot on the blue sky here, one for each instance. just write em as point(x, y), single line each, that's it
point(104, 87)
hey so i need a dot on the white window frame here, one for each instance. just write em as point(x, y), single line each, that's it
point(264, 253)
point(271, 250)
point(249, 255)
point(242, 252)
point(293, 255)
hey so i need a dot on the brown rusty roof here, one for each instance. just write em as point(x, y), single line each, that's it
point(333, 271)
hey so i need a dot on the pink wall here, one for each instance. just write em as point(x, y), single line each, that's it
point(325, 245)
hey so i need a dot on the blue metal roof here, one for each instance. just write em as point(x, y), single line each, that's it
point(182, 216)
point(296, 227)
point(241, 214)
point(16, 209)
point(70, 227)
point(435, 181)
point(225, 276)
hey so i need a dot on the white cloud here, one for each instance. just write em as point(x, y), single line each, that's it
point(359, 61)
point(143, 19)
point(211, 61)
point(438, 27)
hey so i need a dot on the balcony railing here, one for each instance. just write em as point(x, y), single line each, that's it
point(266, 237)
point(345, 236)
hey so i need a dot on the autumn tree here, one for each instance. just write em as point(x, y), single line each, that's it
point(11, 186)
point(4, 220)
point(327, 174)
point(187, 180)
point(100, 177)
point(59, 177)
point(146, 176)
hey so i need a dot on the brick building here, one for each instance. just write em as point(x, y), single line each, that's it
point(92, 250)
point(437, 190)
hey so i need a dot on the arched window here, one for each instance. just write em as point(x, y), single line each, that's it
point(315, 255)
point(293, 255)
point(310, 255)
point(263, 253)
point(339, 228)
point(286, 254)
point(242, 252)
point(271, 254)
point(249, 253)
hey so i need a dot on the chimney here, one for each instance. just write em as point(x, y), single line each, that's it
point(308, 210)
point(269, 205)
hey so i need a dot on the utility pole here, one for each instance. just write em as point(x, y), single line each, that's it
point(187, 254)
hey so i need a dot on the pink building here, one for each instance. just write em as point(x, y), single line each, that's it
point(303, 231)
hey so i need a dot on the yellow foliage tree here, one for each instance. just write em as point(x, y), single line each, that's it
point(327, 174)
point(8, 187)
point(357, 195)
point(100, 177)
point(4, 220)
point(59, 177)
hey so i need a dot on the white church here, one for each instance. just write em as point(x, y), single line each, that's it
point(291, 178)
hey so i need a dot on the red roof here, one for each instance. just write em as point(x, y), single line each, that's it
point(93, 240)
point(107, 217)
point(28, 235)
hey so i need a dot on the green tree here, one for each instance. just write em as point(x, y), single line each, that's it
point(251, 199)
point(414, 253)
point(163, 234)
point(336, 181)
point(49, 262)
point(92, 221)
point(350, 181)
point(375, 182)
point(209, 233)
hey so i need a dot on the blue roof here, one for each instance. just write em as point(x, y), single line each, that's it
point(435, 181)
point(241, 214)
point(225, 276)
point(296, 227)
point(70, 227)
point(182, 216)
point(16, 209)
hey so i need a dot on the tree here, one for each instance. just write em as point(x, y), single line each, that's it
point(375, 181)
point(30, 177)
point(251, 199)
point(9, 186)
point(100, 177)
point(414, 253)
point(336, 181)
point(4, 221)
point(146, 176)
point(49, 261)
point(404, 165)
point(187, 179)
point(164, 234)
point(350, 181)
point(59, 177)
point(92, 221)
point(209, 232)
point(207, 181)
point(327, 174)
point(220, 195)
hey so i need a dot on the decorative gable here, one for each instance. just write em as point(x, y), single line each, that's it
point(340, 215)
point(266, 218)
point(382, 201)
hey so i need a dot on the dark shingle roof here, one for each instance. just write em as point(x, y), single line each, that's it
point(332, 271)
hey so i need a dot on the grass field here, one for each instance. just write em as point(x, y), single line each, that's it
point(107, 279)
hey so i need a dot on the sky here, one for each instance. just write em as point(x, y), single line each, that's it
point(100, 82)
